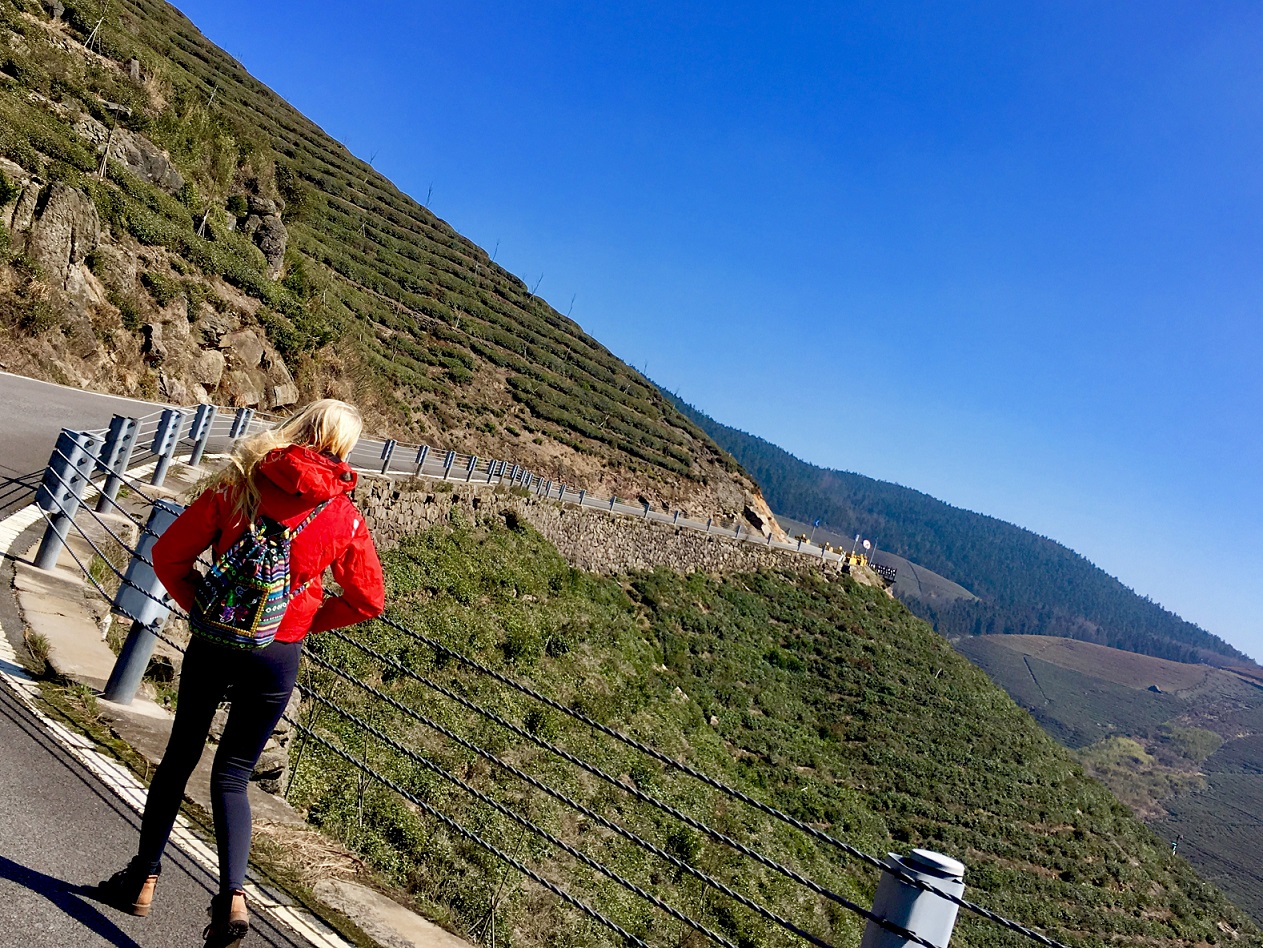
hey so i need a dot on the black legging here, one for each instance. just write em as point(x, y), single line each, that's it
point(261, 682)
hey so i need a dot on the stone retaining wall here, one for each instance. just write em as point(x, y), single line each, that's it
point(589, 538)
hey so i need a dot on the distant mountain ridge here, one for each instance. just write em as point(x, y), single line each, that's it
point(1026, 583)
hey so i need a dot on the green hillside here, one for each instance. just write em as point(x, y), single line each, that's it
point(821, 697)
point(374, 298)
point(1188, 758)
point(1026, 583)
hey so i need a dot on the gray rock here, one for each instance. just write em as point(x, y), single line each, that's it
point(243, 349)
point(62, 233)
point(213, 326)
point(271, 238)
point(264, 207)
point(93, 131)
point(145, 160)
point(23, 213)
point(133, 69)
point(242, 389)
point(208, 368)
point(273, 762)
point(56, 9)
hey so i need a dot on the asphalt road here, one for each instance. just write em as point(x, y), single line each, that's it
point(60, 829)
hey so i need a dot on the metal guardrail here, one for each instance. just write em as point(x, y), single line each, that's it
point(918, 896)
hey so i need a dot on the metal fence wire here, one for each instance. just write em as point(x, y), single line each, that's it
point(310, 733)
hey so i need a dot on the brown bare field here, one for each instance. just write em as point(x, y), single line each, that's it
point(1111, 664)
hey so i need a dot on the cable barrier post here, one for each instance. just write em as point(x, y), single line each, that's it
point(164, 441)
point(61, 492)
point(140, 598)
point(448, 460)
point(423, 452)
point(388, 451)
point(469, 468)
point(199, 432)
point(116, 458)
point(923, 913)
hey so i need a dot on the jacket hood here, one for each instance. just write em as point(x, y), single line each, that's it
point(302, 472)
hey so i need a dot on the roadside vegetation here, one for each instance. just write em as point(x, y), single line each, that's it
point(820, 697)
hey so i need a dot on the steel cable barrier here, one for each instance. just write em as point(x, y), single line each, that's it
point(366, 716)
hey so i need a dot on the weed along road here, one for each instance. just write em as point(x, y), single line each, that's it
point(62, 828)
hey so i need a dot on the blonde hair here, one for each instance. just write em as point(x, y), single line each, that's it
point(326, 425)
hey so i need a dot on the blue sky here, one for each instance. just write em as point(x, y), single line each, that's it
point(1007, 254)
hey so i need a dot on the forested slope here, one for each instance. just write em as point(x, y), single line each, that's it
point(1026, 583)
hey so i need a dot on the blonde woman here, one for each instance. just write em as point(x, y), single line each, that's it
point(295, 476)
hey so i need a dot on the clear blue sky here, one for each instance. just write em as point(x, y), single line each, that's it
point(1007, 254)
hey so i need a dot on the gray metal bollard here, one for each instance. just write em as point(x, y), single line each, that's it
point(61, 492)
point(388, 451)
point(146, 613)
point(199, 432)
point(116, 458)
point(925, 914)
point(423, 452)
point(240, 423)
point(164, 441)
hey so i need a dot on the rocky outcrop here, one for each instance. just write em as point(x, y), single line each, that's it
point(134, 151)
point(215, 359)
point(57, 227)
point(263, 225)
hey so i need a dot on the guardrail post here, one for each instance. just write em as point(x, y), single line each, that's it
point(423, 452)
point(513, 473)
point(491, 470)
point(469, 471)
point(676, 518)
point(134, 601)
point(925, 914)
point(61, 491)
point(199, 432)
point(388, 451)
point(582, 496)
point(561, 492)
point(646, 510)
point(612, 500)
point(164, 441)
point(448, 461)
point(709, 521)
point(240, 423)
point(116, 457)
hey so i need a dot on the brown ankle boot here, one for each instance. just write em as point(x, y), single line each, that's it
point(129, 890)
point(229, 920)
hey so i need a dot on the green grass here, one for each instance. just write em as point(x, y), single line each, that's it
point(830, 701)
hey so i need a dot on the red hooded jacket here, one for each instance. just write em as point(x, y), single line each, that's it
point(291, 482)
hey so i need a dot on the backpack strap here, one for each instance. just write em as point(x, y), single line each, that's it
point(295, 531)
